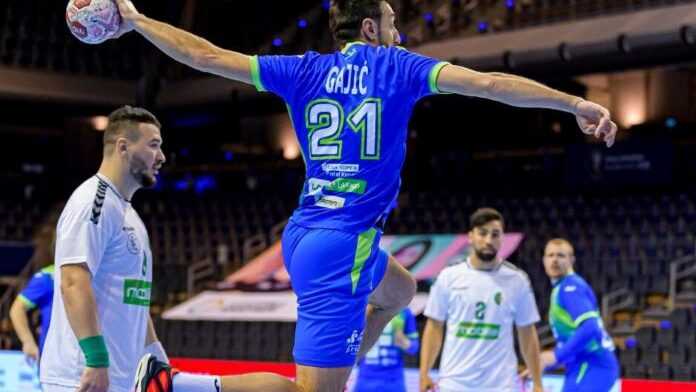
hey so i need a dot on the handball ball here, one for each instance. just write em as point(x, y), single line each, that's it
point(93, 21)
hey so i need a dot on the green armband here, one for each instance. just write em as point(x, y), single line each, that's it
point(96, 355)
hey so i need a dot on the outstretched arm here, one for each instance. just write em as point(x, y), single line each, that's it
point(513, 90)
point(185, 47)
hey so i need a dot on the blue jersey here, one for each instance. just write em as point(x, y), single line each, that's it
point(385, 355)
point(350, 110)
point(572, 303)
point(39, 294)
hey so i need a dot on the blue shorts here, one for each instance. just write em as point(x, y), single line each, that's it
point(332, 272)
point(586, 377)
point(391, 383)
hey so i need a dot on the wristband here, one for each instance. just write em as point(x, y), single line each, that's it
point(94, 349)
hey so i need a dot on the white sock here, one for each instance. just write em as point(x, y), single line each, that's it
point(187, 382)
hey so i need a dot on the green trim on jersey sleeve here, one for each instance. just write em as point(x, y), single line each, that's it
point(558, 313)
point(581, 374)
point(434, 74)
point(586, 316)
point(256, 74)
point(50, 270)
point(349, 44)
point(27, 303)
point(364, 248)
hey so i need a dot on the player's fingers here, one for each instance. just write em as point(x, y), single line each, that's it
point(602, 128)
point(611, 136)
point(604, 125)
point(589, 129)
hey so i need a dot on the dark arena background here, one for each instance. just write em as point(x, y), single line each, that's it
point(221, 300)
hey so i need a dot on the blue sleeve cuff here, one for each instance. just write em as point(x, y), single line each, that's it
point(413, 348)
point(580, 339)
point(28, 304)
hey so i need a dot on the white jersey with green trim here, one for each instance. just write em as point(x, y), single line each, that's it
point(99, 227)
point(479, 309)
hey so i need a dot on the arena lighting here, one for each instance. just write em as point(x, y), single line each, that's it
point(277, 42)
point(428, 17)
point(302, 23)
point(483, 27)
point(632, 116)
point(510, 4)
point(291, 151)
point(99, 122)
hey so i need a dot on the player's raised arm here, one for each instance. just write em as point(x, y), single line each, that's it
point(185, 47)
point(513, 90)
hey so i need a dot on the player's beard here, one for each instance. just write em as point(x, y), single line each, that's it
point(139, 171)
point(485, 255)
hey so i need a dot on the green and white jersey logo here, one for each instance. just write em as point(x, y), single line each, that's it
point(136, 292)
point(498, 298)
point(472, 330)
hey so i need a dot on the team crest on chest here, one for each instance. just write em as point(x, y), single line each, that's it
point(498, 298)
point(132, 243)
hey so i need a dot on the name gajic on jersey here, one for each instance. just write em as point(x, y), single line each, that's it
point(347, 80)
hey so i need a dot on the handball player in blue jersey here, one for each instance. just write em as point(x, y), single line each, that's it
point(382, 368)
point(583, 345)
point(37, 294)
point(350, 110)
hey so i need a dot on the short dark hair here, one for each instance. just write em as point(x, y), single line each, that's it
point(484, 215)
point(346, 16)
point(124, 121)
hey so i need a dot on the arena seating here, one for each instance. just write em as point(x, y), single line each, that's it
point(621, 242)
point(33, 34)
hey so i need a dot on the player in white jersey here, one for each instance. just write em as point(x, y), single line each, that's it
point(479, 301)
point(100, 322)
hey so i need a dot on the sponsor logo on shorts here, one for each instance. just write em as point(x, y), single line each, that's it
point(331, 202)
point(353, 342)
point(136, 292)
point(484, 331)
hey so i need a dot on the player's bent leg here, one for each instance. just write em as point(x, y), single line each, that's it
point(156, 376)
point(308, 379)
point(395, 292)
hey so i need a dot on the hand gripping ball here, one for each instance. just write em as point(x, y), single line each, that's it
point(93, 21)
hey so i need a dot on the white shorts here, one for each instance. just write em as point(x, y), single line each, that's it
point(57, 388)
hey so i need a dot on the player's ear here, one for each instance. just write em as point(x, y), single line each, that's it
point(370, 29)
point(121, 145)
